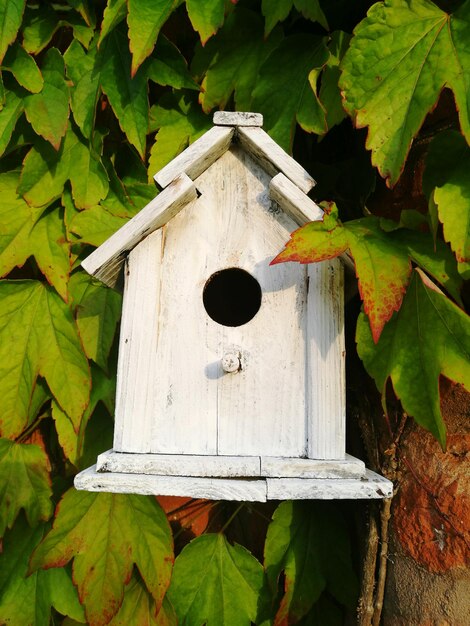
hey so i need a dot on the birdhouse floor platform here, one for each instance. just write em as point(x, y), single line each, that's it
point(250, 478)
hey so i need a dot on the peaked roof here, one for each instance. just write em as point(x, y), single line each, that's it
point(288, 187)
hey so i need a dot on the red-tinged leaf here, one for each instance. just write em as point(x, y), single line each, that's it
point(24, 483)
point(206, 16)
point(382, 266)
point(106, 534)
point(427, 338)
point(145, 18)
point(139, 609)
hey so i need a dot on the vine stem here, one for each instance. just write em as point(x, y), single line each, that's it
point(232, 517)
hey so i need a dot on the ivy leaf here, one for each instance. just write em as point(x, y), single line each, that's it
point(230, 61)
point(168, 66)
point(88, 176)
point(9, 115)
point(11, 15)
point(446, 182)
point(180, 122)
point(290, 63)
point(16, 219)
point(95, 225)
point(98, 309)
point(24, 68)
point(48, 111)
point(309, 543)
point(127, 96)
point(206, 16)
point(276, 11)
point(83, 70)
point(145, 18)
point(114, 13)
point(402, 55)
point(216, 583)
point(24, 483)
point(76, 443)
point(26, 600)
point(38, 337)
point(382, 266)
point(106, 534)
point(329, 93)
point(85, 9)
point(427, 338)
point(139, 609)
point(39, 26)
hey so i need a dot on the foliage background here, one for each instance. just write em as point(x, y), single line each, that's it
point(96, 97)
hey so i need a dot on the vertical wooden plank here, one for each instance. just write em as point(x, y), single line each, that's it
point(137, 347)
point(325, 361)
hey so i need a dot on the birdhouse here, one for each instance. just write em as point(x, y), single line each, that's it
point(230, 380)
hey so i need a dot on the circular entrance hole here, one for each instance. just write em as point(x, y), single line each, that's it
point(232, 297)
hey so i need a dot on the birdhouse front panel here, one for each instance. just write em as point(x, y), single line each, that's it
point(231, 371)
point(220, 364)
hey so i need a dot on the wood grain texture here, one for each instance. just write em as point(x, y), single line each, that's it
point(293, 201)
point(197, 157)
point(370, 486)
point(273, 158)
point(210, 488)
point(106, 261)
point(326, 361)
point(179, 464)
point(350, 467)
point(233, 118)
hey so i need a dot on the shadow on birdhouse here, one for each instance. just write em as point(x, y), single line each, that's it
point(231, 371)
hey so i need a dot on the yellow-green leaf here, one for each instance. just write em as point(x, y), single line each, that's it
point(23, 67)
point(168, 66)
point(24, 483)
point(16, 222)
point(114, 13)
point(11, 14)
point(106, 534)
point(206, 16)
point(38, 337)
point(9, 115)
point(145, 18)
point(139, 609)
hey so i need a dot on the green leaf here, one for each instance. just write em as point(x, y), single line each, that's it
point(145, 18)
point(308, 541)
point(45, 171)
point(114, 13)
point(427, 338)
point(446, 181)
point(127, 96)
point(39, 26)
point(276, 11)
point(87, 174)
point(9, 115)
point(106, 534)
point(79, 445)
point(139, 609)
point(27, 600)
point(290, 63)
point(84, 72)
point(16, 222)
point(48, 244)
point(206, 16)
point(230, 61)
point(216, 584)
point(11, 15)
point(24, 68)
point(85, 9)
point(48, 111)
point(180, 122)
point(402, 55)
point(95, 225)
point(38, 336)
point(382, 266)
point(168, 66)
point(98, 309)
point(329, 93)
point(24, 483)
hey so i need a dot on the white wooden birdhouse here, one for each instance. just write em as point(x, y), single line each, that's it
point(231, 371)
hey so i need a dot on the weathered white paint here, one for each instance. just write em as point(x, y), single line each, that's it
point(239, 118)
point(370, 486)
point(273, 158)
point(106, 261)
point(231, 361)
point(293, 201)
point(179, 464)
point(350, 467)
point(210, 488)
point(198, 156)
point(326, 361)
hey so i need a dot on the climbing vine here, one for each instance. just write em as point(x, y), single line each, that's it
point(95, 97)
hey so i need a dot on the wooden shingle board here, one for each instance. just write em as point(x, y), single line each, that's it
point(235, 118)
point(106, 261)
point(293, 201)
point(198, 156)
